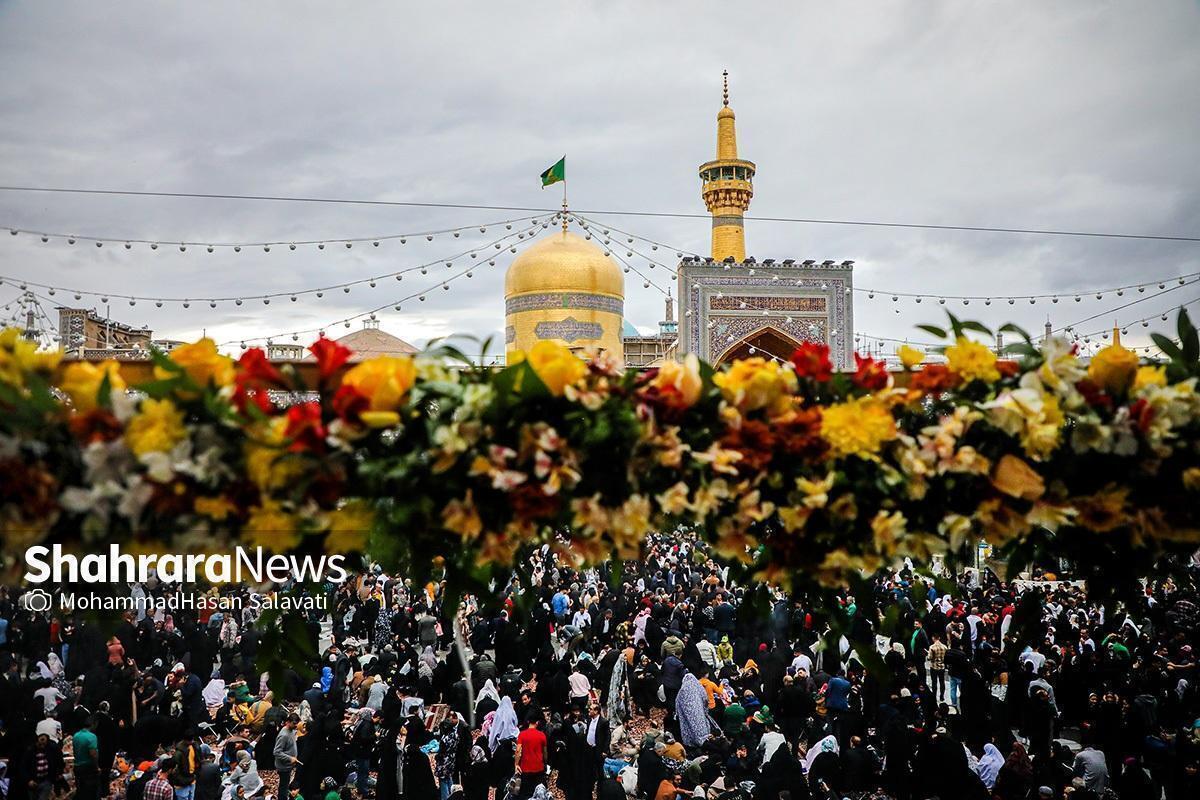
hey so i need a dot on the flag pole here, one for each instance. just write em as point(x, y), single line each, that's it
point(564, 211)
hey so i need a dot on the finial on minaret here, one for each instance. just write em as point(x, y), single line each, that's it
point(1116, 336)
point(725, 92)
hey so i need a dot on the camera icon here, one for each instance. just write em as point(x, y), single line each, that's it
point(37, 600)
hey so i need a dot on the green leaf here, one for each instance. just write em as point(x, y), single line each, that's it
point(934, 330)
point(1188, 338)
point(1021, 349)
point(161, 359)
point(159, 389)
point(1011, 327)
point(1168, 347)
point(978, 327)
point(104, 394)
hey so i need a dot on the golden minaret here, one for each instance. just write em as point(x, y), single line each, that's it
point(727, 187)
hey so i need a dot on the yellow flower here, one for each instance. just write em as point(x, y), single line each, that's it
point(675, 499)
point(857, 427)
point(972, 361)
point(910, 356)
point(217, 508)
point(955, 528)
point(202, 363)
point(81, 380)
point(1191, 479)
point(838, 563)
point(1105, 510)
point(268, 465)
point(461, 517)
point(722, 460)
point(20, 357)
point(1114, 368)
point(1150, 376)
point(1031, 413)
point(630, 523)
point(816, 493)
point(555, 364)
point(349, 527)
point(1016, 478)
point(755, 383)
point(886, 529)
point(271, 528)
point(679, 383)
point(384, 381)
point(380, 419)
point(794, 518)
point(1050, 516)
point(156, 428)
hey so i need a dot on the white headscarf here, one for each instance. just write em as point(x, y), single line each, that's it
point(827, 745)
point(504, 724)
point(990, 764)
point(488, 690)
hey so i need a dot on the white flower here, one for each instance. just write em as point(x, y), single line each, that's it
point(135, 498)
point(1060, 369)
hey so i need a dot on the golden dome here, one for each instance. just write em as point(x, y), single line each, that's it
point(725, 113)
point(563, 261)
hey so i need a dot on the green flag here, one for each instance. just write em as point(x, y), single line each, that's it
point(556, 173)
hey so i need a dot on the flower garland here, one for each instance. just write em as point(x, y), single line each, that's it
point(807, 476)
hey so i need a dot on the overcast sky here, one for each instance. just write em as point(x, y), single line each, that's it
point(1070, 115)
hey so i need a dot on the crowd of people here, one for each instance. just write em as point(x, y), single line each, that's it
point(663, 681)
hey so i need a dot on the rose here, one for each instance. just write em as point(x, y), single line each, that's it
point(384, 382)
point(1113, 368)
point(82, 381)
point(202, 363)
point(554, 364)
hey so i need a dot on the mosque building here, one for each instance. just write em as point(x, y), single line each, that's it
point(565, 288)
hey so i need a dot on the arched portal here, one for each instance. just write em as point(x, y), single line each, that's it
point(766, 341)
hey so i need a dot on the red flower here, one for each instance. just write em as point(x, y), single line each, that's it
point(800, 435)
point(811, 360)
point(254, 375)
point(1142, 414)
point(755, 440)
point(1096, 397)
point(330, 356)
point(253, 367)
point(1007, 368)
point(349, 402)
point(304, 427)
point(530, 502)
point(243, 396)
point(97, 425)
point(934, 379)
point(869, 374)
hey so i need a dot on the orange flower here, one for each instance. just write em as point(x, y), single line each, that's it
point(1016, 478)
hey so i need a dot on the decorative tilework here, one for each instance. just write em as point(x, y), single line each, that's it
point(510, 334)
point(786, 283)
point(569, 330)
point(757, 303)
point(803, 329)
point(543, 301)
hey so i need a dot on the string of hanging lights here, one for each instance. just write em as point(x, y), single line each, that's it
point(237, 247)
point(421, 295)
point(473, 254)
point(942, 299)
point(1163, 285)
